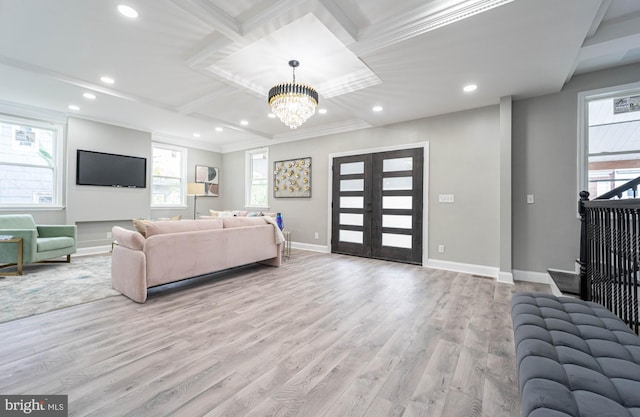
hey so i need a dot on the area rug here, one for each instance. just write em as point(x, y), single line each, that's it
point(46, 287)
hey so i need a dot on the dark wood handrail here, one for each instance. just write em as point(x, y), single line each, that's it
point(617, 192)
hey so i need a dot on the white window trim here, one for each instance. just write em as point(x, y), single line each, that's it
point(248, 176)
point(583, 120)
point(59, 194)
point(183, 173)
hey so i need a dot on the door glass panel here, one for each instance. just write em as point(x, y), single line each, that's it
point(397, 183)
point(351, 219)
point(392, 220)
point(352, 236)
point(352, 168)
point(395, 202)
point(352, 202)
point(352, 185)
point(397, 164)
point(397, 241)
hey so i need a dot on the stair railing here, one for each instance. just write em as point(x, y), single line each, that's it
point(610, 253)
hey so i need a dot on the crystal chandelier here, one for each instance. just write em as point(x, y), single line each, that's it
point(292, 102)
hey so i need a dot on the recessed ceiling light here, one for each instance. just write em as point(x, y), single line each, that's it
point(322, 111)
point(244, 122)
point(271, 116)
point(469, 88)
point(219, 129)
point(89, 96)
point(127, 11)
point(377, 108)
point(196, 135)
point(107, 80)
point(74, 107)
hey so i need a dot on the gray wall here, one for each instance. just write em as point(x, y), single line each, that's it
point(464, 160)
point(196, 157)
point(546, 233)
point(91, 203)
point(95, 210)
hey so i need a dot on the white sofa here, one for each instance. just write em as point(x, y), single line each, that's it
point(175, 250)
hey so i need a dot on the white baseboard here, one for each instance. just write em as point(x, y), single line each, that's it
point(310, 247)
point(482, 270)
point(505, 277)
point(93, 250)
point(529, 276)
point(554, 288)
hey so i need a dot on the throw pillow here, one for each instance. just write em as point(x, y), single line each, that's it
point(141, 226)
point(240, 221)
point(159, 228)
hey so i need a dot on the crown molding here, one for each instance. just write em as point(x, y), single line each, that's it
point(324, 130)
point(31, 112)
point(214, 16)
point(183, 142)
point(419, 21)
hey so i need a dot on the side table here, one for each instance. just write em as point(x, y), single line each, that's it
point(18, 241)
point(286, 249)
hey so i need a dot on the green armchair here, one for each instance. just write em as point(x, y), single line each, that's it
point(39, 243)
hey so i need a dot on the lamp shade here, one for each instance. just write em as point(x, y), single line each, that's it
point(195, 188)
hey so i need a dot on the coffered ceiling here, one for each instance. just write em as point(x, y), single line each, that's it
point(186, 67)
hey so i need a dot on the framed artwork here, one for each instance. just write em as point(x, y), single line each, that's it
point(292, 178)
point(210, 177)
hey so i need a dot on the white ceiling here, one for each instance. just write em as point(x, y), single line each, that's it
point(187, 66)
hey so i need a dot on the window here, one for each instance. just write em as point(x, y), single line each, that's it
point(30, 163)
point(168, 178)
point(257, 177)
point(610, 139)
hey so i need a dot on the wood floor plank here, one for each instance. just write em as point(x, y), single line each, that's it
point(322, 335)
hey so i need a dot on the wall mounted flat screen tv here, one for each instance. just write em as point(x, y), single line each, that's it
point(110, 170)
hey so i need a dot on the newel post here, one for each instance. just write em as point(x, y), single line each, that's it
point(585, 290)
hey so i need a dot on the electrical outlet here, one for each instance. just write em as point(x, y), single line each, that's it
point(530, 199)
point(440, 248)
point(445, 198)
point(316, 235)
point(108, 235)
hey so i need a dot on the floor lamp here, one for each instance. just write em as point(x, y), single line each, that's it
point(195, 189)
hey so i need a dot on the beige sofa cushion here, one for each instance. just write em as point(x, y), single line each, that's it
point(159, 228)
point(242, 221)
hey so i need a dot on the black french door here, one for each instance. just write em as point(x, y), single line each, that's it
point(377, 205)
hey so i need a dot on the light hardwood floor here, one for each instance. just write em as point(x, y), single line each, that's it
point(323, 335)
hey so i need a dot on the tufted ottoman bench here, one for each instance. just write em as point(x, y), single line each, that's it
point(575, 358)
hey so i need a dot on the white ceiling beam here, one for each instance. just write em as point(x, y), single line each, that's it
point(271, 14)
point(617, 29)
point(67, 79)
point(599, 16)
point(419, 21)
point(214, 16)
point(211, 47)
point(342, 19)
point(192, 105)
